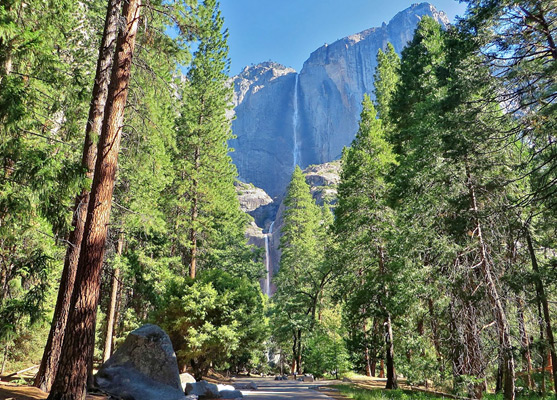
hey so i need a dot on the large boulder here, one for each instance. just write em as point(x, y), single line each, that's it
point(203, 389)
point(144, 367)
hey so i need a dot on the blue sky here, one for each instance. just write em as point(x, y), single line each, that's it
point(287, 31)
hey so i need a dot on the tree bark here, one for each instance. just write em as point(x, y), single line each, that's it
point(51, 355)
point(112, 303)
point(543, 348)
point(542, 298)
point(525, 342)
point(366, 352)
point(389, 348)
point(294, 354)
point(78, 346)
point(299, 360)
point(493, 295)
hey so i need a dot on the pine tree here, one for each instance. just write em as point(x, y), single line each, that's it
point(453, 172)
point(41, 103)
point(303, 273)
point(49, 363)
point(385, 80)
point(362, 226)
point(206, 218)
point(77, 350)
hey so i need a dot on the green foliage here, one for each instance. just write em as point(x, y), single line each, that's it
point(304, 273)
point(385, 80)
point(325, 352)
point(205, 216)
point(43, 96)
point(212, 319)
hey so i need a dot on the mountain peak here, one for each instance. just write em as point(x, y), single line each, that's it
point(416, 11)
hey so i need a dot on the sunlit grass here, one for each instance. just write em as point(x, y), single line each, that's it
point(357, 393)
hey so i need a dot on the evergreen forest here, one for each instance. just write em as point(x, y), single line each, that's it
point(434, 265)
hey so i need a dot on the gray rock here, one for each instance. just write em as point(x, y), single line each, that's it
point(250, 385)
point(186, 378)
point(230, 394)
point(284, 117)
point(143, 368)
point(307, 378)
point(222, 387)
point(203, 389)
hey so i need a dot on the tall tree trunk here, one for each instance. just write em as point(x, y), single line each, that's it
point(542, 298)
point(389, 346)
point(51, 355)
point(78, 346)
point(4, 358)
point(299, 360)
point(366, 352)
point(525, 342)
point(493, 295)
point(543, 348)
point(294, 353)
point(389, 349)
point(194, 212)
point(500, 372)
point(112, 303)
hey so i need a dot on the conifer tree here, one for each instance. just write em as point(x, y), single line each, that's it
point(385, 80)
point(206, 218)
point(303, 273)
point(453, 170)
point(49, 362)
point(79, 338)
point(362, 227)
point(41, 103)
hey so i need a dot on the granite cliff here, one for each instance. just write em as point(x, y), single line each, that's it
point(284, 118)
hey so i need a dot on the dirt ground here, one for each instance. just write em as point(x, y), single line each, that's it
point(11, 391)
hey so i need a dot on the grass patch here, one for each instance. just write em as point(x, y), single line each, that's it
point(382, 394)
point(357, 393)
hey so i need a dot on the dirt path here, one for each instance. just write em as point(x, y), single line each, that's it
point(269, 389)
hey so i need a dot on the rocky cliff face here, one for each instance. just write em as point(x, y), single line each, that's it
point(284, 118)
point(322, 179)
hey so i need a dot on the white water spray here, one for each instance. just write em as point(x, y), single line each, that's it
point(296, 148)
point(268, 261)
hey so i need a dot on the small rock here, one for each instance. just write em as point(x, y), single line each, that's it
point(307, 378)
point(203, 389)
point(225, 387)
point(192, 397)
point(251, 385)
point(230, 394)
point(345, 379)
point(186, 378)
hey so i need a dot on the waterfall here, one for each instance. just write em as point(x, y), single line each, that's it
point(296, 148)
point(267, 290)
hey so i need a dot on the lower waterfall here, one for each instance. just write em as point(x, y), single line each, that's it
point(267, 285)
